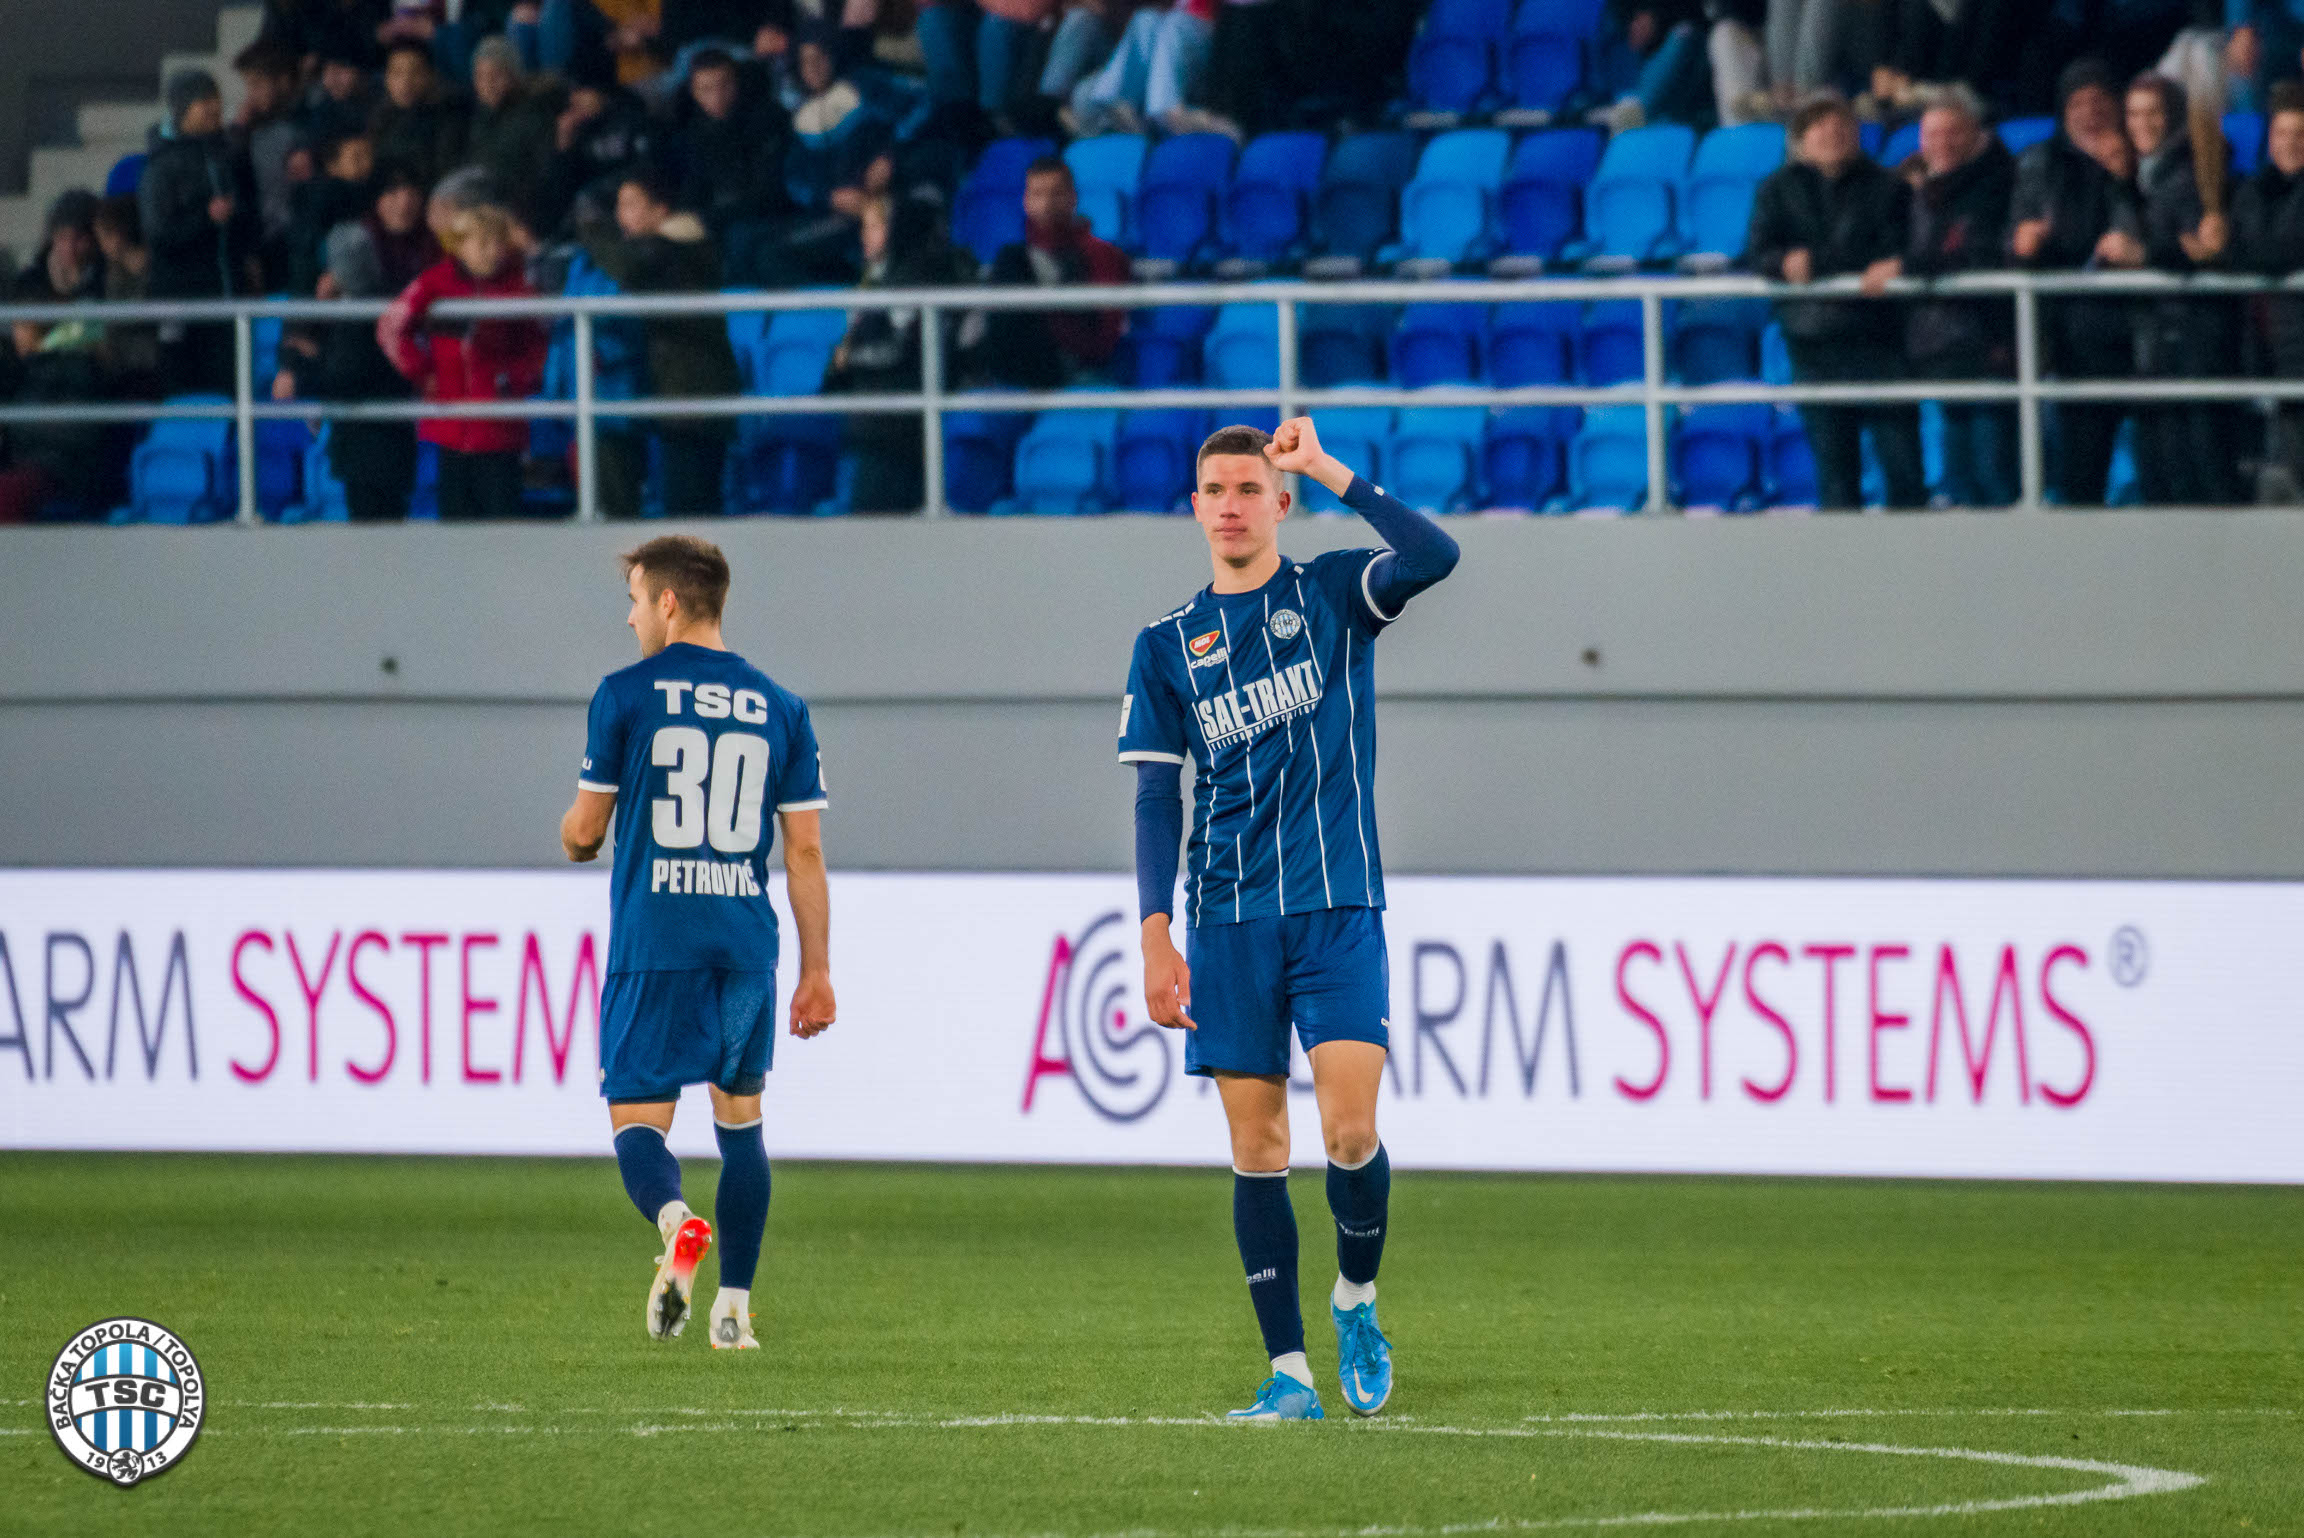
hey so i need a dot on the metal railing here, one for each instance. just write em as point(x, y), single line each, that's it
point(1653, 392)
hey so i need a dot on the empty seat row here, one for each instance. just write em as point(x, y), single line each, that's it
point(1486, 55)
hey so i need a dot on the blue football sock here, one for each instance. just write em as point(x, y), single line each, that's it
point(740, 1211)
point(1360, 1198)
point(651, 1174)
point(1265, 1225)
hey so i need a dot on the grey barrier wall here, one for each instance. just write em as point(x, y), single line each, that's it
point(2065, 694)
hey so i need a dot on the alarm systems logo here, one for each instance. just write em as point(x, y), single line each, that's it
point(125, 1400)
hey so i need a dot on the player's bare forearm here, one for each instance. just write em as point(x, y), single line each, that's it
point(1167, 977)
point(584, 829)
point(810, 893)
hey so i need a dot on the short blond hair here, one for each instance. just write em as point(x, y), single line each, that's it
point(482, 219)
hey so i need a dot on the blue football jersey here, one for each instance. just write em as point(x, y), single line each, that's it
point(1271, 694)
point(701, 749)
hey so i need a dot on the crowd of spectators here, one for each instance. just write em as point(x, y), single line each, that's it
point(384, 151)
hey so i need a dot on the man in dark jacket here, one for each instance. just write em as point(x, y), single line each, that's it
point(1050, 349)
point(198, 203)
point(728, 147)
point(2075, 208)
point(1828, 212)
point(512, 126)
point(376, 461)
point(419, 123)
point(2187, 452)
point(657, 251)
point(2268, 238)
point(1960, 224)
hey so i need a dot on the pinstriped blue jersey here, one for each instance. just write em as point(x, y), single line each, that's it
point(1271, 695)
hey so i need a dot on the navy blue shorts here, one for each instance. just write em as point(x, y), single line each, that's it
point(1325, 973)
point(661, 1031)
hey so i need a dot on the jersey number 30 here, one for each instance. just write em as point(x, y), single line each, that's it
point(717, 788)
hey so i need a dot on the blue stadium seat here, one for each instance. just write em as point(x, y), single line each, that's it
point(1242, 350)
point(1527, 453)
point(1360, 193)
point(1342, 344)
point(1791, 463)
point(1185, 182)
point(1900, 146)
point(1775, 355)
point(1107, 169)
point(1152, 460)
point(1533, 344)
point(1356, 435)
point(988, 213)
point(979, 447)
point(1453, 58)
point(1270, 205)
point(1869, 136)
point(264, 349)
point(1717, 455)
point(1541, 204)
point(1432, 460)
point(1439, 344)
point(1608, 459)
point(1162, 346)
point(184, 471)
point(324, 500)
point(1446, 211)
point(2244, 132)
point(126, 175)
point(1609, 349)
point(281, 447)
point(1545, 60)
point(1715, 340)
point(789, 464)
point(1716, 201)
point(2021, 133)
point(1630, 206)
point(1063, 464)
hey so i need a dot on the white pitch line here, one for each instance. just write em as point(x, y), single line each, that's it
point(1589, 1417)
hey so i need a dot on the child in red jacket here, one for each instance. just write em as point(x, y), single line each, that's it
point(470, 360)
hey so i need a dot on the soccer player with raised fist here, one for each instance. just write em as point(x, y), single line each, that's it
point(1266, 681)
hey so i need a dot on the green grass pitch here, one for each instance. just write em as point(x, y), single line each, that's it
point(410, 1347)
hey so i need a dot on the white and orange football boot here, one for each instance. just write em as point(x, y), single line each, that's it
point(686, 1238)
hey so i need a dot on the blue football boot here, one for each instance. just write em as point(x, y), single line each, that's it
point(1363, 1358)
point(1281, 1398)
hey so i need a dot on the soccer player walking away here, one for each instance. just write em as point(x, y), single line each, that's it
point(1266, 681)
point(697, 744)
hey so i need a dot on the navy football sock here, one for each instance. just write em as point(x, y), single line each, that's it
point(1265, 1225)
point(651, 1174)
point(1360, 1198)
point(740, 1211)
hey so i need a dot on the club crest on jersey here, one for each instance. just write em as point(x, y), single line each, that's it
point(1287, 624)
point(1207, 650)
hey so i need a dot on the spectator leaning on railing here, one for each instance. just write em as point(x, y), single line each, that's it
point(654, 250)
point(2268, 238)
point(198, 203)
point(341, 361)
point(1831, 211)
point(1960, 224)
point(2075, 209)
point(470, 360)
point(2187, 452)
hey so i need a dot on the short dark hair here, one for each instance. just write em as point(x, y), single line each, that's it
point(652, 182)
point(693, 568)
point(267, 56)
point(1815, 109)
point(711, 58)
point(1236, 439)
point(399, 46)
point(120, 216)
point(2286, 96)
point(1049, 165)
